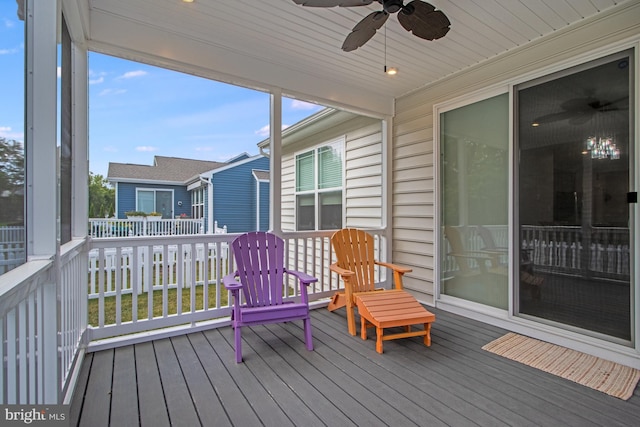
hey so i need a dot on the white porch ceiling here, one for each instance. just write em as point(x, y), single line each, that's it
point(278, 44)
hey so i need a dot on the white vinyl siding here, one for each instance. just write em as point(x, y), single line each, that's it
point(362, 190)
point(413, 196)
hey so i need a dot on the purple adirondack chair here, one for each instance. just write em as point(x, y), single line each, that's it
point(260, 275)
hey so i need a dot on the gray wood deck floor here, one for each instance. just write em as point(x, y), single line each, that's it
point(193, 380)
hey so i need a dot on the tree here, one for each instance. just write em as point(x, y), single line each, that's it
point(11, 181)
point(101, 196)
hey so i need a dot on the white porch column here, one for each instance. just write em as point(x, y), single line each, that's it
point(80, 146)
point(275, 162)
point(387, 174)
point(40, 130)
point(211, 224)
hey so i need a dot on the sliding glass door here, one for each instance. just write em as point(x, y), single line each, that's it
point(574, 152)
point(474, 176)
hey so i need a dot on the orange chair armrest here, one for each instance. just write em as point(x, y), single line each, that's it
point(394, 267)
point(341, 271)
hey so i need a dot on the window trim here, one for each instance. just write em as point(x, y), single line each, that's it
point(201, 190)
point(139, 189)
point(342, 141)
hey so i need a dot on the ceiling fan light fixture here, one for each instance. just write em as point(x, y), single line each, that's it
point(392, 6)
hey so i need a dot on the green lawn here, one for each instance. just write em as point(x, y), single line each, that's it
point(143, 299)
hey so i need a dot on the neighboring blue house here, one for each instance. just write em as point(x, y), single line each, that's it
point(234, 194)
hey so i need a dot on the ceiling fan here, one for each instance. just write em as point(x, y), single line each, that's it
point(417, 17)
point(580, 110)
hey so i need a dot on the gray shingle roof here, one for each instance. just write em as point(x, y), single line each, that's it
point(168, 169)
point(260, 174)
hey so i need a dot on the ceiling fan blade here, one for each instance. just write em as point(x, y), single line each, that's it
point(556, 117)
point(364, 30)
point(332, 3)
point(580, 119)
point(423, 20)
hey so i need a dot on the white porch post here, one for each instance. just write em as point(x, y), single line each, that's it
point(211, 224)
point(387, 173)
point(80, 146)
point(41, 175)
point(275, 162)
point(40, 130)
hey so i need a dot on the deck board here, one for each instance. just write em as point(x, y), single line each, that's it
point(180, 405)
point(123, 413)
point(97, 405)
point(150, 397)
point(194, 380)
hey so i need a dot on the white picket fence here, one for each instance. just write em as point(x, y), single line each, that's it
point(12, 249)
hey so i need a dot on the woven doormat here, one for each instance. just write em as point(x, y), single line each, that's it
point(608, 377)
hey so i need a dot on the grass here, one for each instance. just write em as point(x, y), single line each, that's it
point(143, 302)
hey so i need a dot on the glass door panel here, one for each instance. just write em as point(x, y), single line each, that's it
point(164, 203)
point(474, 173)
point(573, 173)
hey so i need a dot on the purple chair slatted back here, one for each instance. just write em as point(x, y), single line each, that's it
point(260, 267)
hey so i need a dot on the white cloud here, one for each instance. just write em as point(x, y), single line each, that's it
point(264, 130)
point(302, 105)
point(110, 149)
point(8, 23)
point(112, 92)
point(9, 51)
point(8, 133)
point(205, 148)
point(146, 148)
point(95, 77)
point(59, 72)
point(132, 74)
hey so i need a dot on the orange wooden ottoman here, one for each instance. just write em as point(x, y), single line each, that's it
point(391, 309)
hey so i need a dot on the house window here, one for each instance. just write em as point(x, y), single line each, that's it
point(197, 203)
point(319, 187)
point(150, 200)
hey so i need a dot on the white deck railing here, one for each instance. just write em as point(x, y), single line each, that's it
point(145, 226)
point(561, 249)
point(603, 251)
point(122, 271)
point(41, 327)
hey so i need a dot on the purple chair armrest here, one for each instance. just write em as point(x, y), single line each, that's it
point(229, 281)
point(303, 277)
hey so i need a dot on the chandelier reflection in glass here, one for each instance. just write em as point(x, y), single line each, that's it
point(602, 148)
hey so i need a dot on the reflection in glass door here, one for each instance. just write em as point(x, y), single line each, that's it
point(164, 203)
point(474, 176)
point(573, 172)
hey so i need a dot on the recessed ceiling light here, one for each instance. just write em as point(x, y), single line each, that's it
point(187, 1)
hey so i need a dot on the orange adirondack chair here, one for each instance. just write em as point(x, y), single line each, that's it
point(355, 265)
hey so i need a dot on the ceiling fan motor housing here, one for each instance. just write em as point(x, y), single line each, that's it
point(392, 6)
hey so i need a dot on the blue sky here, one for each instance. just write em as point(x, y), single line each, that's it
point(137, 111)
